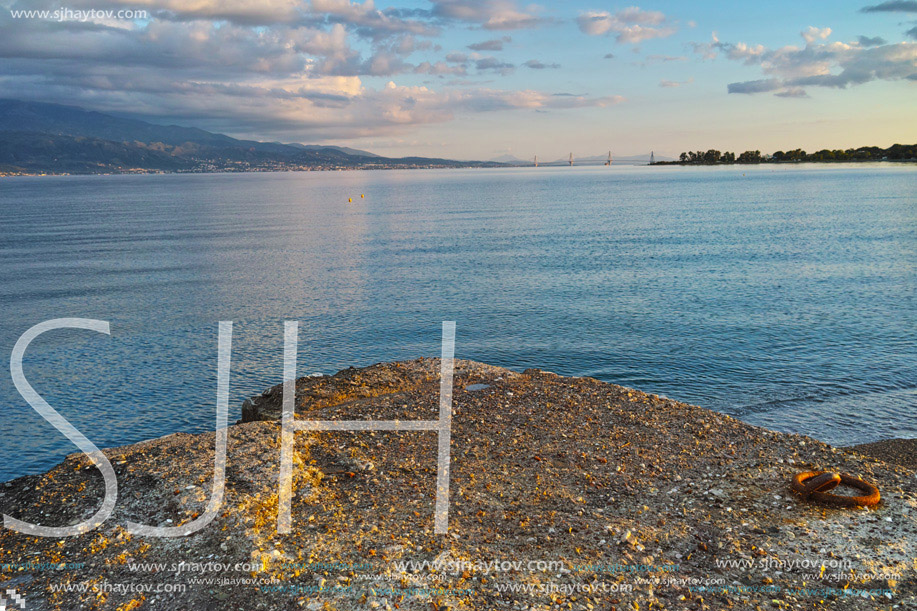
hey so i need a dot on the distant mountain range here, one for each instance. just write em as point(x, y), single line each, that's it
point(510, 159)
point(593, 160)
point(342, 149)
point(36, 137)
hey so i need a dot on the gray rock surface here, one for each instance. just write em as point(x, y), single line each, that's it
point(565, 493)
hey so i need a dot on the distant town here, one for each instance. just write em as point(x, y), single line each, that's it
point(216, 167)
point(38, 139)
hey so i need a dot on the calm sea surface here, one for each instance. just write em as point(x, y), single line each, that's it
point(786, 296)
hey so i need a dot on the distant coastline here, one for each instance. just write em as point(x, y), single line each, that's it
point(39, 139)
point(6, 172)
point(895, 153)
point(50, 139)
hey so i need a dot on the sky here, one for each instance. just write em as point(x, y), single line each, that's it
point(477, 79)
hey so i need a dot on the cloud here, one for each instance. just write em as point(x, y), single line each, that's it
point(537, 65)
point(754, 86)
point(240, 12)
point(439, 68)
point(666, 58)
point(818, 64)
point(188, 49)
point(290, 69)
point(609, 56)
point(495, 44)
point(743, 52)
point(597, 23)
point(365, 19)
point(332, 108)
point(707, 50)
point(892, 6)
point(408, 44)
point(792, 92)
point(395, 107)
point(821, 64)
point(875, 41)
point(675, 84)
point(481, 63)
point(813, 34)
point(858, 66)
point(634, 14)
point(912, 32)
point(492, 63)
point(488, 14)
point(630, 26)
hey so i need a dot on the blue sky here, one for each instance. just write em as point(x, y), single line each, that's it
point(478, 79)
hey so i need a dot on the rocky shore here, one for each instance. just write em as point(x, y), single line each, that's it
point(566, 493)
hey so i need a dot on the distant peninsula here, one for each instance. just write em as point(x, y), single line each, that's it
point(896, 152)
point(40, 138)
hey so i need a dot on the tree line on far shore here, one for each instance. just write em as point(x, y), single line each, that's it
point(896, 152)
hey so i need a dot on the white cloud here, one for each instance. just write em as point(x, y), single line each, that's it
point(675, 84)
point(631, 25)
point(273, 68)
point(743, 52)
point(595, 23)
point(819, 64)
point(489, 14)
point(635, 14)
point(812, 34)
point(792, 92)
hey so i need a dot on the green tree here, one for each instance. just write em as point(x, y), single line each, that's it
point(750, 157)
